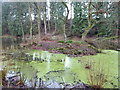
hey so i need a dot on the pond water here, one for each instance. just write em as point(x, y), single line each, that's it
point(36, 64)
point(61, 68)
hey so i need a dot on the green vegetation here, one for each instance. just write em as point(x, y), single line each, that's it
point(100, 68)
point(72, 44)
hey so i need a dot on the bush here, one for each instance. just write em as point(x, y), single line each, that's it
point(97, 77)
point(107, 44)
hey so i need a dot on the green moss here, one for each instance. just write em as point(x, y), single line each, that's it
point(108, 60)
point(61, 41)
point(69, 41)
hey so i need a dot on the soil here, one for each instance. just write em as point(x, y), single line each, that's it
point(71, 49)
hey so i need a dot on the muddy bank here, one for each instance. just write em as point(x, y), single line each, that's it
point(71, 49)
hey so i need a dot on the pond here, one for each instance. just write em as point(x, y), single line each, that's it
point(51, 67)
point(41, 68)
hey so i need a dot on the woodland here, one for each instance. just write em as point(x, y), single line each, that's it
point(64, 45)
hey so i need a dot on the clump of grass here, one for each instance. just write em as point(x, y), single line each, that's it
point(97, 76)
point(88, 64)
point(69, 41)
point(61, 41)
point(79, 42)
point(2, 76)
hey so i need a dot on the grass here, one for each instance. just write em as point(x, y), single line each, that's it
point(72, 41)
point(105, 69)
point(97, 76)
point(2, 75)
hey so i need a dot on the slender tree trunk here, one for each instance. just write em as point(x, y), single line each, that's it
point(49, 25)
point(44, 17)
point(65, 21)
point(65, 36)
point(23, 34)
point(45, 24)
point(39, 21)
point(48, 12)
point(89, 23)
point(30, 17)
point(71, 19)
point(20, 20)
point(55, 19)
point(55, 26)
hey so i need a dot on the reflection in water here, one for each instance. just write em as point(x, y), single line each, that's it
point(36, 56)
point(42, 56)
point(67, 62)
point(48, 60)
point(48, 57)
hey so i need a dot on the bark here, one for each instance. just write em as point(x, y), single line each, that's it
point(55, 23)
point(44, 17)
point(71, 19)
point(21, 23)
point(23, 34)
point(65, 21)
point(55, 27)
point(89, 23)
point(30, 17)
point(45, 24)
point(39, 21)
point(65, 36)
point(49, 25)
point(49, 19)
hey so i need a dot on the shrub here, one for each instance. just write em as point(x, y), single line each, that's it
point(97, 77)
point(3, 77)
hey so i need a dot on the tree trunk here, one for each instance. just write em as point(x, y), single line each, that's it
point(39, 20)
point(45, 25)
point(49, 25)
point(89, 23)
point(85, 34)
point(30, 17)
point(55, 27)
point(23, 35)
point(21, 21)
point(55, 23)
point(65, 36)
point(65, 21)
point(44, 17)
point(71, 19)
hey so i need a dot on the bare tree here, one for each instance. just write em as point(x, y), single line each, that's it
point(91, 22)
point(65, 21)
